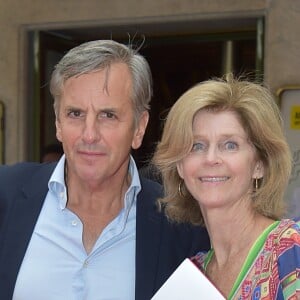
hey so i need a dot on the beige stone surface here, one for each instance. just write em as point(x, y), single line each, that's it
point(282, 43)
point(282, 57)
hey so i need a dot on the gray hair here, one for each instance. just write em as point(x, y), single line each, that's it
point(100, 55)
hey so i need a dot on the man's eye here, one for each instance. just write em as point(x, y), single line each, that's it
point(110, 115)
point(74, 113)
point(199, 147)
point(107, 115)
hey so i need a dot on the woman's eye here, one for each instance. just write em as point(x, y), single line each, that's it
point(230, 146)
point(198, 147)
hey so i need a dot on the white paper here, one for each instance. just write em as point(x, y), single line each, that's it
point(188, 283)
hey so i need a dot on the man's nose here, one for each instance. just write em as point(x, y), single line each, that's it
point(91, 130)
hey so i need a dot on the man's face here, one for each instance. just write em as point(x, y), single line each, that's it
point(96, 124)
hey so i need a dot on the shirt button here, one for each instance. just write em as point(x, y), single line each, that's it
point(74, 223)
point(85, 264)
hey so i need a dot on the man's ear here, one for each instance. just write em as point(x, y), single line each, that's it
point(140, 130)
point(58, 130)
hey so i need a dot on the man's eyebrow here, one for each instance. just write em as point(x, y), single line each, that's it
point(108, 109)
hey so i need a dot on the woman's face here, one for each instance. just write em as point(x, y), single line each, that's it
point(220, 169)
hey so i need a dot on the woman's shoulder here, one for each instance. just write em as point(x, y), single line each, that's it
point(297, 221)
point(288, 228)
point(285, 235)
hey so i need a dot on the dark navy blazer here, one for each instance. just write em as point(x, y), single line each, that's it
point(160, 245)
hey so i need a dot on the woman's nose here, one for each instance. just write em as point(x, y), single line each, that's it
point(213, 155)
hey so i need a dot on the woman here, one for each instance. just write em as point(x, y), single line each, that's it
point(223, 150)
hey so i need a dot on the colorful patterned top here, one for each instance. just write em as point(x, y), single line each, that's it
point(272, 267)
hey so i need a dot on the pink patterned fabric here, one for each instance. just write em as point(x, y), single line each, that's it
point(274, 273)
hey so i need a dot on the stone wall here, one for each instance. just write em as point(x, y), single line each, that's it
point(282, 47)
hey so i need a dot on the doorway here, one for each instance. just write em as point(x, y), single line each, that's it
point(180, 54)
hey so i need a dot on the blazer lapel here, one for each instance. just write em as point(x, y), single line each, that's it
point(20, 225)
point(148, 240)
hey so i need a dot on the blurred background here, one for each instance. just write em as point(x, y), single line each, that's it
point(185, 41)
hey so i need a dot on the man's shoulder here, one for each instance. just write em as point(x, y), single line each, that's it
point(150, 184)
point(150, 190)
point(24, 170)
point(19, 166)
point(150, 194)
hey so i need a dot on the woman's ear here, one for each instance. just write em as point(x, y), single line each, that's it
point(179, 169)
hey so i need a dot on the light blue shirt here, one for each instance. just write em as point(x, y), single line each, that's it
point(56, 265)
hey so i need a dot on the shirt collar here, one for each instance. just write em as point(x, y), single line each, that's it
point(57, 186)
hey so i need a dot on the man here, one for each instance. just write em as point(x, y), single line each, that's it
point(88, 227)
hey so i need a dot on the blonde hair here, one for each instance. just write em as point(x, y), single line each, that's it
point(260, 118)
